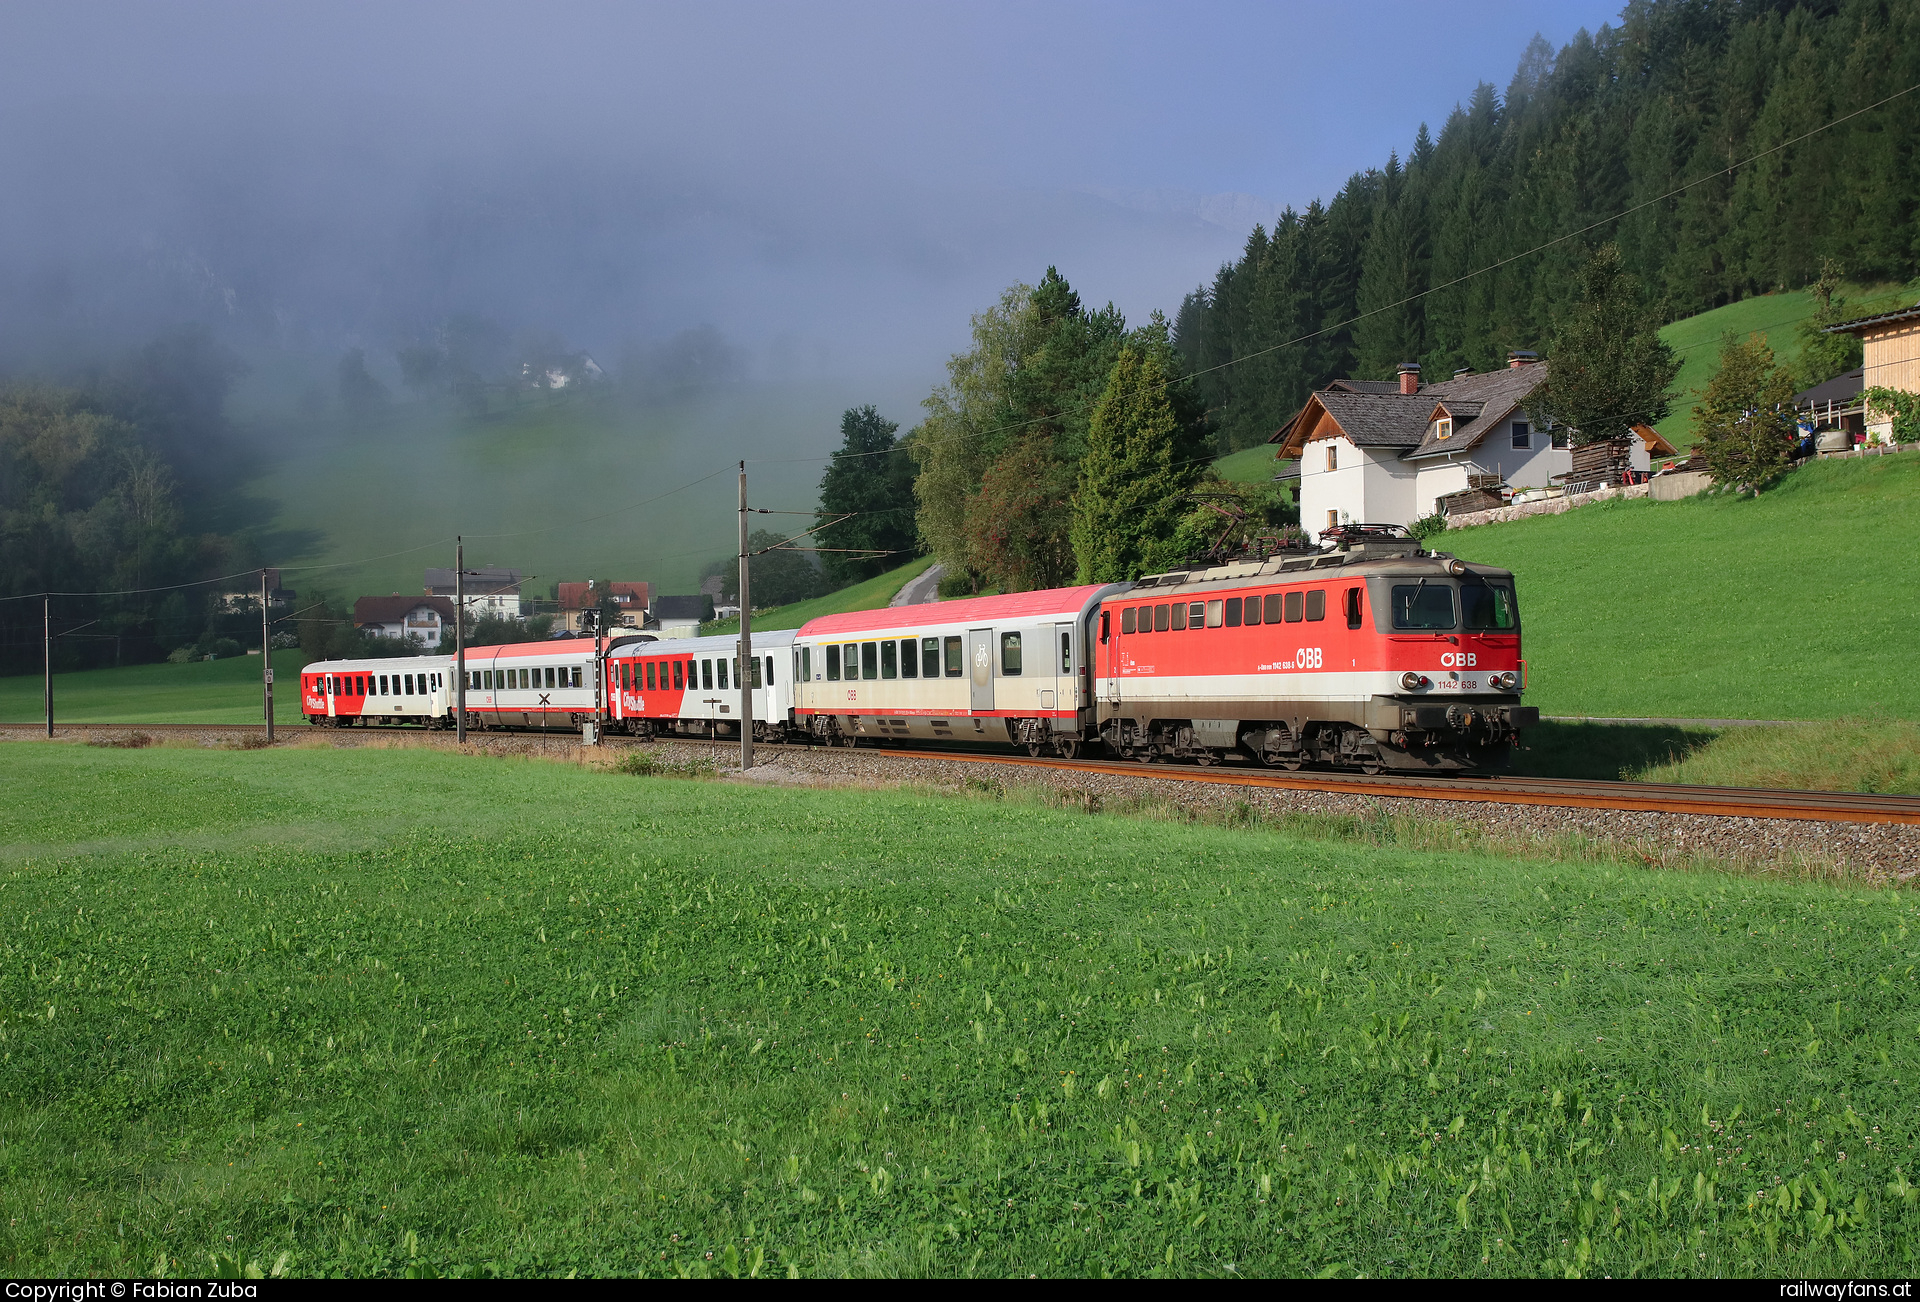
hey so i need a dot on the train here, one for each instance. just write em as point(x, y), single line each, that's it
point(1236, 660)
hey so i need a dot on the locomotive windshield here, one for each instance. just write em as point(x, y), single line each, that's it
point(1489, 607)
point(1423, 605)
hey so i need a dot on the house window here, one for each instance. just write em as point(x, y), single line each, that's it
point(1443, 429)
point(1522, 435)
point(1333, 519)
point(1333, 456)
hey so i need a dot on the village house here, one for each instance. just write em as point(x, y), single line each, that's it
point(413, 619)
point(630, 601)
point(491, 592)
point(1890, 347)
point(677, 617)
point(1380, 452)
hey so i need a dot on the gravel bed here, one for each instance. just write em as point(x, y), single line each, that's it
point(1877, 852)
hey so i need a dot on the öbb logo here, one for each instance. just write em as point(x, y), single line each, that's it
point(1306, 657)
point(1457, 659)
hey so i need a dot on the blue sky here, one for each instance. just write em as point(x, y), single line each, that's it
point(839, 184)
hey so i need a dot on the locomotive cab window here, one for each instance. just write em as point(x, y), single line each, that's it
point(1127, 617)
point(1353, 607)
point(1010, 655)
point(1423, 605)
point(1317, 604)
point(1488, 607)
point(956, 662)
point(833, 662)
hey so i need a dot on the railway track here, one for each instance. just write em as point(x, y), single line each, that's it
point(1724, 802)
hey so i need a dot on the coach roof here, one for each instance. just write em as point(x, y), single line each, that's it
point(1018, 607)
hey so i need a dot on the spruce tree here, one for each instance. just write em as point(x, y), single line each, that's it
point(1134, 479)
point(1609, 368)
point(870, 479)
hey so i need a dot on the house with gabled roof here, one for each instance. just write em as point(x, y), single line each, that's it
point(1380, 452)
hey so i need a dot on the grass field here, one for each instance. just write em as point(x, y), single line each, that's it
point(873, 593)
point(402, 1011)
point(1253, 465)
point(1795, 605)
point(218, 691)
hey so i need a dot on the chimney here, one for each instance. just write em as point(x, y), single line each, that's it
point(1409, 377)
point(1520, 357)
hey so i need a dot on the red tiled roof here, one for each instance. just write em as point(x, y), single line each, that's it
point(580, 596)
point(1048, 602)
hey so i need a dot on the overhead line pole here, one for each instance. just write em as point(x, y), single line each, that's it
point(266, 658)
point(743, 667)
point(459, 640)
point(46, 654)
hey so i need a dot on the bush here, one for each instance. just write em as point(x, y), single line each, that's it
point(649, 764)
point(1428, 526)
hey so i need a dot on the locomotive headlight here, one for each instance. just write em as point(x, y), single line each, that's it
point(1411, 681)
point(1504, 681)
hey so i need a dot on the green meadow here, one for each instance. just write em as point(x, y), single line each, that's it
point(205, 691)
point(870, 594)
point(400, 1012)
point(1797, 604)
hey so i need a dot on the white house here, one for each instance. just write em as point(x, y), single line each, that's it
point(489, 590)
point(418, 619)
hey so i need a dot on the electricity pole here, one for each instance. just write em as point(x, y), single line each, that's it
point(460, 640)
point(743, 668)
point(266, 657)
point(46, 652)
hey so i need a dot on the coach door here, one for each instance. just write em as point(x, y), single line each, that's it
point(1060, 658)
point(980, 660)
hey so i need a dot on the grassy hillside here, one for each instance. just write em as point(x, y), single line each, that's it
point(1776, 316)
point(1796, 605)
point(388, 1012)
point(872, 594)
point(562, 486)
point(1253, 465)
point(218, 691)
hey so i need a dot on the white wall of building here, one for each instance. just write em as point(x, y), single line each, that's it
point(1366, 486)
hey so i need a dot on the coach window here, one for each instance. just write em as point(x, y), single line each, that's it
point(956, 662)
point(693, 675)
point(383, 685)
point(1127, 618)
point(679, 676)
point(1233, 612)
point(1317, 604)
point(1010, 654)
point(1160, 618)
point(929, 657)
point(406, 684)
point(356, 687)
point(869, 660)
point(576, 676)
point(1296, 607)
point(1423, 605)
point(706, 675)
point(889, 659)
point(833, 662)
point(909, 660)
point(329, 685)
point(1179, 616)
point(1066, 653)
point(549, 675)
point(720, 675)
point(1270, 608)
point(647, 676)
point(1217, 613)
